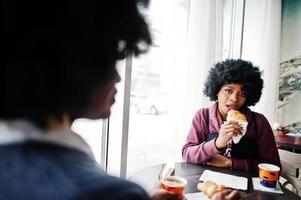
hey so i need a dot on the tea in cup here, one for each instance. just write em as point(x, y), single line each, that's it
point(174, 184)
point(268, 174)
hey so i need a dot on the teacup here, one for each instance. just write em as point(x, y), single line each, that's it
point(268, 174)
point(174, 184)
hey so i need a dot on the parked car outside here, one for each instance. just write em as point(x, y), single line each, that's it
point(152, 104)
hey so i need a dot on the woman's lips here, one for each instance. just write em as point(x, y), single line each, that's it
point(232, 107)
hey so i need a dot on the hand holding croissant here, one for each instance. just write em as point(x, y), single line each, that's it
point(230, 129)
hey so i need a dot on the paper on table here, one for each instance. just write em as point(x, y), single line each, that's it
point(196, 196)
point(231, 181)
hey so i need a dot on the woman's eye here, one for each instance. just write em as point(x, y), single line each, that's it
point(243, 94)
point(228, 91)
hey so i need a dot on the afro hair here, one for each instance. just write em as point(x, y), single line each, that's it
point(235, 71)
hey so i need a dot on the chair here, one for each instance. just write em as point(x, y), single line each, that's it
point(291, 164)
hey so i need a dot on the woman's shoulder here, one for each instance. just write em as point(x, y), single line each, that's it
point(206, 110)
point(200, 116)
point(201, 112)
point(260, 119)
point(258, 116)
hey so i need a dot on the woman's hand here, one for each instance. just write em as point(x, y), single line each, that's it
point(227, 131)
point(220, 161)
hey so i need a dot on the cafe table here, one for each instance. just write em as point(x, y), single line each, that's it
point(148, 177)
point(288, 142)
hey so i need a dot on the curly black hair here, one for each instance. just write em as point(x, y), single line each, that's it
point(56, 53)
point(235, 71)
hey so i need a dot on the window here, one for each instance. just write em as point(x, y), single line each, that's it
point(90, 131)
point(160, 113)
point(154, 136)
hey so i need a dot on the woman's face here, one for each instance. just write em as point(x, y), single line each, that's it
point(230, 97)
point(102, 99)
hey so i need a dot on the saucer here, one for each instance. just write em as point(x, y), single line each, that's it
point(257, 186)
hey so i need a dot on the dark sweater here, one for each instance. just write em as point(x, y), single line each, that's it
point(36, 170)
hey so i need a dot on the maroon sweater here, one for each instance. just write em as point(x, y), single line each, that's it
point(198, 150)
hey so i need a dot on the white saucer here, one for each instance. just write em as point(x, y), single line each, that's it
point(257, 186)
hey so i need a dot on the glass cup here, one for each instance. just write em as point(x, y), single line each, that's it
point(174, 184)
point(268, 175)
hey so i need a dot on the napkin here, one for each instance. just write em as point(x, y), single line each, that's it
point(243, 126)
point(196, 196)
point(231, 181)
point(257, 186)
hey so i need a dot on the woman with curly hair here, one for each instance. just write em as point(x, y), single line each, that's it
point(234, 85)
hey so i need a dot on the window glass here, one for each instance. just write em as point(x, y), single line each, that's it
point(153, 133)
point(91, 132)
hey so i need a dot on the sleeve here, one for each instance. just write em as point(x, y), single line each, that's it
point(267, 149)
point(196, 149)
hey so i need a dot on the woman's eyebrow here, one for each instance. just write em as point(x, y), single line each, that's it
point(228, 86)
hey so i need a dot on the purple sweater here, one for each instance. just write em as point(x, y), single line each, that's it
point(197, 150)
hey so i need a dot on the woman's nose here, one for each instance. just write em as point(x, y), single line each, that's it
point(233, 97)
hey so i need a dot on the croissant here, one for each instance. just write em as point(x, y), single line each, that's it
point(210, 188)
point(234, 115)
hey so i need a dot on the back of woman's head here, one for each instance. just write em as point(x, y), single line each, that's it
point(55, 54)
point(235, 71)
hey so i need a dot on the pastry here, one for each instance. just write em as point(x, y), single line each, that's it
point(234, 115)
point(210, 188)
